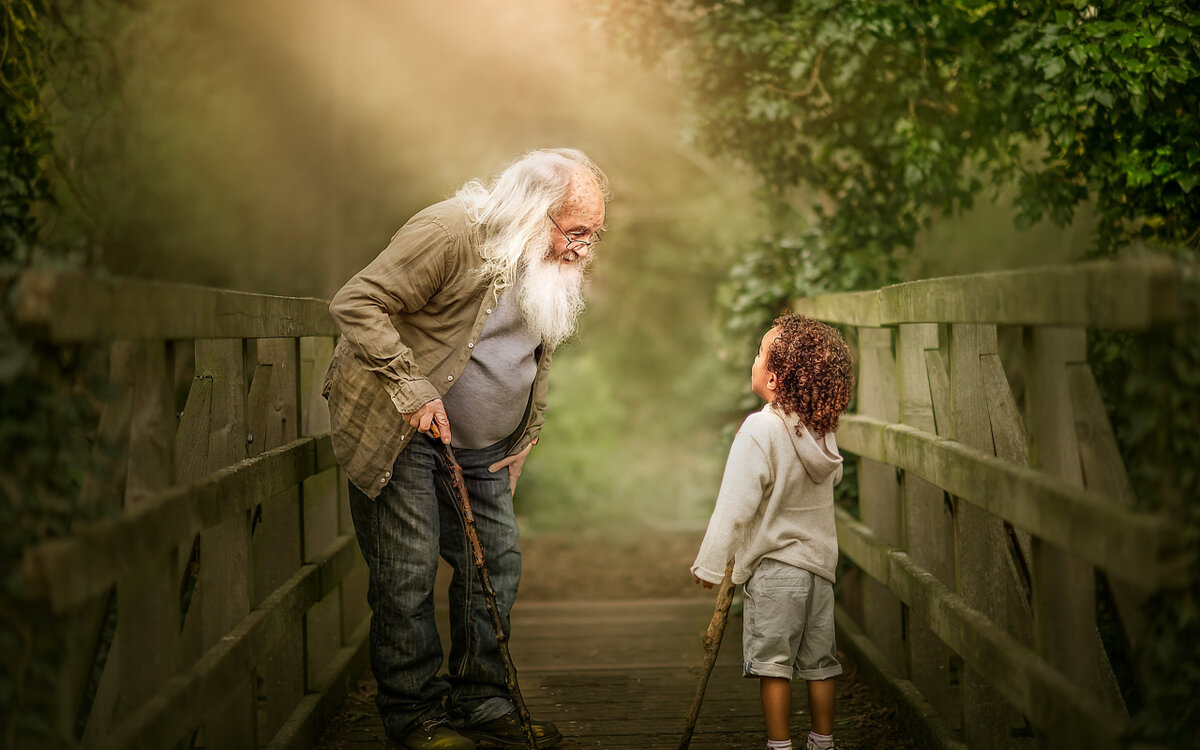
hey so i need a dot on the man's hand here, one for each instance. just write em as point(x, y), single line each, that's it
point(705, 584)
point(514, 463)
point(431, 419)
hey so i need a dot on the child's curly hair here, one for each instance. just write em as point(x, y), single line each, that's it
point(814, 371)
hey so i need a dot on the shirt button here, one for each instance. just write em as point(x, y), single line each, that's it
point(387, 474)
point(449, 377)
point(383, 481)
point(489, 311)
point(471, 345)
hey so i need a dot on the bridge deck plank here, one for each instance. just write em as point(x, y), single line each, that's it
point(621, 674)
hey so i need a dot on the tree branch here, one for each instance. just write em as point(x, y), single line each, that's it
point(814, 82)
point(489, 597)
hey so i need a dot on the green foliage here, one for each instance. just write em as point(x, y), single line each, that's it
point(25, 142)
point(1116, 109)
point(897, 112)
point(781, 266)
point(45, 406)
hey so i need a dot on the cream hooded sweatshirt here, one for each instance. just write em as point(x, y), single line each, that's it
point(776, 501)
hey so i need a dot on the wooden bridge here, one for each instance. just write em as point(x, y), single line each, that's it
point(620, 674)
point(231, 572)
point(221, 601)
point(992, 493)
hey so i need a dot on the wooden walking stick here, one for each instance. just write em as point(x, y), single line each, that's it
point(712, 644)
point(489, 594)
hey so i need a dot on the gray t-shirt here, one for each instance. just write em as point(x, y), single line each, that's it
point(487, 402)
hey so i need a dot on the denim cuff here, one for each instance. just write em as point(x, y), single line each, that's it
point(482, 712)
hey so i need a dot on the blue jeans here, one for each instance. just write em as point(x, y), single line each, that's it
point(402, 532)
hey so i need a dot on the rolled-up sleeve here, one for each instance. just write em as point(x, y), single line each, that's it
point(406, 274)
point(747, 476)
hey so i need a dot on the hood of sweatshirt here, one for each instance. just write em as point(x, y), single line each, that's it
point(819, 455)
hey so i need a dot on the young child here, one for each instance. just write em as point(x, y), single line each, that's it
point(774, 518)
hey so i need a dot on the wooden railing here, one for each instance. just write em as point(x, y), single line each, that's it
point(228, 561)
point(991, 492)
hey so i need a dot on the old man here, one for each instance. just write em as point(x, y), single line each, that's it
point(450, 332)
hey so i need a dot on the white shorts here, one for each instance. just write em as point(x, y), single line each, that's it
point(787, 624)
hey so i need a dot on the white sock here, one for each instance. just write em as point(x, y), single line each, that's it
point(779, 745)
point(820, 741)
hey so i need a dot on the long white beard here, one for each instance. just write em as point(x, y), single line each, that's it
point(551, 298)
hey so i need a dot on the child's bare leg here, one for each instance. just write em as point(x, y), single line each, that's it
point(820, 705)
point(776, 694)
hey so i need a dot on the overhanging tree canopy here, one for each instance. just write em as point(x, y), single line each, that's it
point(897, 111)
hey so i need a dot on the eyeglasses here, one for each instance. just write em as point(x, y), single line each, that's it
point(595, 237)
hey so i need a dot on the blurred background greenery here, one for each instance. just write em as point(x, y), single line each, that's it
point(275, 147)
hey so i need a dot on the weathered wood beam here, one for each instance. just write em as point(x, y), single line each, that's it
point(77, 307)
point(1047, 698)
point(928, 517)
point(848, 308)
point(1125, 294)
point(69, 571)
point(148, 595)
point(1104, 470)
point(1140, 547)
point(180, 706)
point(223, 579)
point(879, 503)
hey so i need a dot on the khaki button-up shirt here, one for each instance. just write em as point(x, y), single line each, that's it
point(409, 323)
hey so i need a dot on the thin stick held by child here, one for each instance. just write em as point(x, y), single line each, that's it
point(774, 517)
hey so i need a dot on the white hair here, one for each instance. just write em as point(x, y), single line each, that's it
point(550, 297)
point(512, 212)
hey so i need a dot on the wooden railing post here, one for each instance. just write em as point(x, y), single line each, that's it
point(274, 420)
point(355, 612)
point(928, 517)
point(104, 485)
point(191, 463)
point(148, 599)
point(323, 623)
point(1104, 471)
point(1064, 591)
point(1010, 443)
point(879, 491)
point(983, 571)
point(225, 549)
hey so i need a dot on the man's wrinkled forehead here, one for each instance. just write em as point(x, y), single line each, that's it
point(584, 199)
